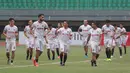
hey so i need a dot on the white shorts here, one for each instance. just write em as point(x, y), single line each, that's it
point(50, 46)
point(10, 46)
point(124, 40)
point(39, 44)
point(64, 47)
point(95, 47)
point(57, 45)
point(108, 42)
point(30, 43)
point(117, 42)
point(84, 39)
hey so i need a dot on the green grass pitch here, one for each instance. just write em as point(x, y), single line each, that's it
point(76, 63)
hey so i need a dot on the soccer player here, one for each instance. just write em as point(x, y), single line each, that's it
point(124, 37)
point(29, 40)
point(50, 36)
point(10, 32)
point(117, 40)
point(57, 44)
point(108, 31)
point(65, 35)
point(95, 34)
point(39, 27)
point(83, 31)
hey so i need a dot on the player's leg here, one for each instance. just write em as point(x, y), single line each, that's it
point(62, 53)
point(31, 53)
point(48, 51)
point(66, 49)
point(53, 51)
point(57, 49)
point(120, 47)
point(37, 47)
point(8, 46)
point(94, 47)
point(124, 44)
point(13, 47)
point(85, 48)
point(112, 54)
point(27, 51)
point(106, 48)
point(41, 47)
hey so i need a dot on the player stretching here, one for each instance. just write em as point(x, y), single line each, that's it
point(57, 44)
point(95, 35)
point(124, 37)
point(30, 40)
point(10, 32)
point(50, 36)
point(39, 27)
point(65, 35)
point(108, 31)
point(117, 40)
point(83, 31)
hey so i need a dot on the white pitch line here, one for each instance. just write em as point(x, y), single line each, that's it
point(53, 63)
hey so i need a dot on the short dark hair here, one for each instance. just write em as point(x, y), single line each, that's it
point(10, 19)
point(107, 21)
point(49, 25)
point(114, 25)
point(40, 15)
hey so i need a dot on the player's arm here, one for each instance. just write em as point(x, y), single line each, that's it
point(25, 33)
point(79, 30)
point(4, 33)
point(70, 34)
point(89, 36)
point(16, 32)
point(46, 39)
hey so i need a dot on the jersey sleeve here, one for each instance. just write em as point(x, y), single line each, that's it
point(80, 27)
point(16, 29)
point(100, 31)
point(46, 25)
point(5, 29)
point(124, 30)
point(25, 29)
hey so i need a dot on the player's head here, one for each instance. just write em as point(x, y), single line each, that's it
point(11, 21)
point(94, 25)
point(59, 25)
point(85, 22)
point(30, 22)
point(65, 24)
point(121, 25)
point(50, 26)
point(107, 22)
point(41, 17)
point(115, 26)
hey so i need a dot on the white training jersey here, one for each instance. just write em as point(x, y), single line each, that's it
point(39, 29)
point(64, 34)
point(27, 29)
point(108, 31)
point(117, 32)
point(51, 35)
point(85, 30)
point(123, 30)
point(95, 35)
point(10, 32)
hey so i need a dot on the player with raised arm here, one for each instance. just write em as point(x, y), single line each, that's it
point(10, 32)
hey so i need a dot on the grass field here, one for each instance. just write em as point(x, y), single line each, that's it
point(76, 63)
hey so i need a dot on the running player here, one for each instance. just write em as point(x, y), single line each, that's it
point(10, 32)
point(83, 31)
point(57, 44)
point(108, 31)
point(65, 35)
point(29, 40)
point(39, 27)
point(117, 40)
point(50, 36)
point(95, 36)
point(124, 37)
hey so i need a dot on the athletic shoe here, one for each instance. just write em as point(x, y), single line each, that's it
point(34, 61)
point(58, 57)
point(36, 64)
